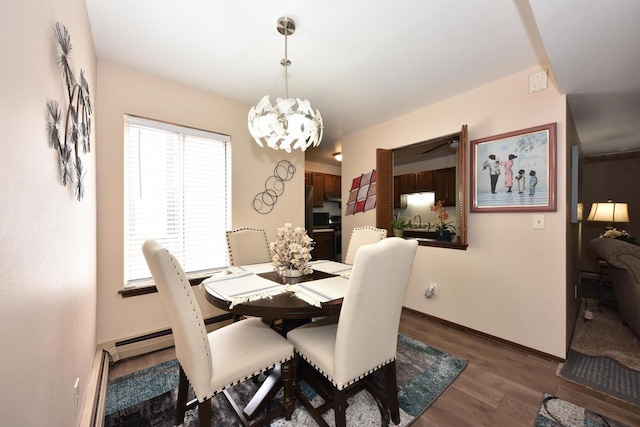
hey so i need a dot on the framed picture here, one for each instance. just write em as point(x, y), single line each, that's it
point(515, 171)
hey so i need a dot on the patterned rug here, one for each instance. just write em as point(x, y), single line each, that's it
point(604, 374)
point(147, 397)
point(555, 412)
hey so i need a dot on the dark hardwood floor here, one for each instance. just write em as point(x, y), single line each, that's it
point(501, 385)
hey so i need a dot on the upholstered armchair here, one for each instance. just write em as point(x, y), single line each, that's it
point(247, 246)
point(361, 236)
point(623, 261)
point(212, 362)
point(365, 337)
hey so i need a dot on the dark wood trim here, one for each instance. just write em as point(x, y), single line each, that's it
point(151, 289)
point(486, 336)
point(612, 156)
point(439, 244)
point(384, 189)
point(209, 321)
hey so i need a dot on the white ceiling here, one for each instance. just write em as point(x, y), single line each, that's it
point(361, 62)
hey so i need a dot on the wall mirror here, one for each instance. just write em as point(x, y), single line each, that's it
point(411, 178)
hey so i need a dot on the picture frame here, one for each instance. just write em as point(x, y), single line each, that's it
point(503, 168)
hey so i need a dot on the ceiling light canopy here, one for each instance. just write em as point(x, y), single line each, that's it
point(291, 123)
point(338, 156)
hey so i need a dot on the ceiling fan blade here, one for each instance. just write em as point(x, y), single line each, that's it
point(435, 147)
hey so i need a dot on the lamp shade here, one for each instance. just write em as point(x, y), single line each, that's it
point(609, 212)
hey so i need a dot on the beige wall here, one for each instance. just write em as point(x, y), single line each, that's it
point(124, 91)
point(48, 238)
point(322, 168)
point(510, 282)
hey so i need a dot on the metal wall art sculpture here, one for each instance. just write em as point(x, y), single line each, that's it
point(77, 121)
point(273, 187)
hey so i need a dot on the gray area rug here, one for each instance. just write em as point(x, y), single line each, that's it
point(604, 355)
point(604, 374)
point(605, 335)
point(555, 412)
point(147, 397)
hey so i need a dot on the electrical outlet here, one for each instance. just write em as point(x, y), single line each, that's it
point(431, 290)
point(76, 396)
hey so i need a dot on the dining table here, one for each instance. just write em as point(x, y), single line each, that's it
point(257, 290)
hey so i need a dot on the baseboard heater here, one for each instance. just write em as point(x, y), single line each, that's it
point(93, 409)
point(153, 341)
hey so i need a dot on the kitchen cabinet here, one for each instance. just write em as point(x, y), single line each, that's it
point(318, 189)
point(324, 248)
point(424, 182)
point(408, 183)
point(445, 183)
point(332, 184)
point(324, 184)
point(441, 181)
point(308, 179)
point(399, 199)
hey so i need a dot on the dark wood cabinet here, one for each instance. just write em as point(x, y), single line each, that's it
point(399, 199)
point(441, 181)
point(318, 189)
point(445, 180)
point(408, 183)
point(323, 184)
point(332, 185)
point(324, 245)
point(424, 182)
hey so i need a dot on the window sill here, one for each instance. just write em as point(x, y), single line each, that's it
point(438, 244)
point(151, 289)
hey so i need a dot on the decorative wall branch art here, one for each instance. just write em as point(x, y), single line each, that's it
point(362, 195)
point(264, 202)
point(77, 121)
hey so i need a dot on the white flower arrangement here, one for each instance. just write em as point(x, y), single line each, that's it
point(292, 250)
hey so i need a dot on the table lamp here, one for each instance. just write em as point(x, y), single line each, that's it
point(609, 212)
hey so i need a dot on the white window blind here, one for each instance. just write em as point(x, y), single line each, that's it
point(177, 191)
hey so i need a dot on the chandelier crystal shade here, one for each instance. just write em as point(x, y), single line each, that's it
point(291, 123)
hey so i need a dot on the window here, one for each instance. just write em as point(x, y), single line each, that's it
point(177, 191)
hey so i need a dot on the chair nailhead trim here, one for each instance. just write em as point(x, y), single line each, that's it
point(352, 381)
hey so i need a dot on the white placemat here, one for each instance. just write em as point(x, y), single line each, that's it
point(243, 287)
point(330, 266)
point(325, 289)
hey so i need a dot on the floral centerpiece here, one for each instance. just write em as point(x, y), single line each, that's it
point(291, 251)
point(444, 230)
point(614, 233)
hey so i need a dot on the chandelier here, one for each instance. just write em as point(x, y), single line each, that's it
point(291, 122)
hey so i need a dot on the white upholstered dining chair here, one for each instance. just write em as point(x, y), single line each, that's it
point(212, 362)
point(247, 246)
point(366, 335)
point(363, 236)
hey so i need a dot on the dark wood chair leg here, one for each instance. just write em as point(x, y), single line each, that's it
point(392, 392)
point(289, 383)
point(340, 407)
point(204, 413)
point(181, 403)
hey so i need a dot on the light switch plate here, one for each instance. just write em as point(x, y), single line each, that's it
point(538, 222)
